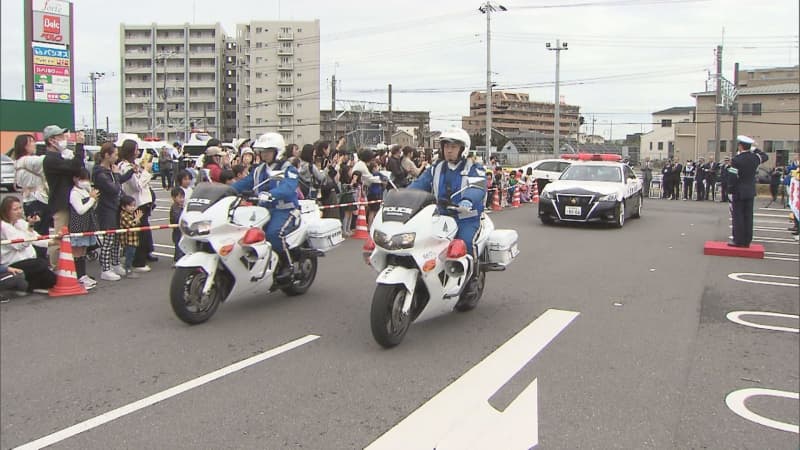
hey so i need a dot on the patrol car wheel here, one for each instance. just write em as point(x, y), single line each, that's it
point(546, 220)
point(638, 212)
point(619, 219)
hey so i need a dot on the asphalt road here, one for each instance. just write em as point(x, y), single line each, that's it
point(647, 362)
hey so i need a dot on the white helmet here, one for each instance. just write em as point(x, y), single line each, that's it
point(269, 140)
point(456, 135)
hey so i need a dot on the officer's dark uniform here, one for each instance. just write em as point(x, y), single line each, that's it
point(723, 178)
point(741, 179)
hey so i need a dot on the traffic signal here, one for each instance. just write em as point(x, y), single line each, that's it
point(580, 120)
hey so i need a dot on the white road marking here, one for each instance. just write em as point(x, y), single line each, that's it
point(780, 254)
point(94, 422)
point(166, 255)
point(736, 316)
point(460, 416)
point(786, 210)
point(785, 222)
point(785, 216)
point(739, 277)
point(158, 220)
point(735, 401)
point(781, 259)
point(779, 239)
point(163, 246)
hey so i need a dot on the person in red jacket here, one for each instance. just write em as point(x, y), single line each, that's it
point(212, 163)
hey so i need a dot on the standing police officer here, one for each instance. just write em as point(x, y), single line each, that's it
point(742, 189)
point(281, 199)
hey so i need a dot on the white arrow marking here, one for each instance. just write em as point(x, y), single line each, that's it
point(460, 416)
point(735, 401)
point(736, 317)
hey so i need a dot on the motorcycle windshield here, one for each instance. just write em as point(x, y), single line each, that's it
point(400, 205)
point(206, 194)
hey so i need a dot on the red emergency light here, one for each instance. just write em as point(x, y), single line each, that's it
point(593, 157)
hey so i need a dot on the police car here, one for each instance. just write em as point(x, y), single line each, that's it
point(597, 187)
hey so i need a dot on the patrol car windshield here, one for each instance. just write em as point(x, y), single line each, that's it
point(580, 172)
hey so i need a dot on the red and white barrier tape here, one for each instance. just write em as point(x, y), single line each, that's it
point(349, 204)
point(47, 237)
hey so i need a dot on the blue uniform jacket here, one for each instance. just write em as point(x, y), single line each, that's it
point(284, 192)
point(450, 181)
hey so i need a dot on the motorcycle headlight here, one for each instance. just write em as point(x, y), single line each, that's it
point(396, 242)
point(199, 228)
point(609, 198)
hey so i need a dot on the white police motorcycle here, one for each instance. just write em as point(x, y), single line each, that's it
point(423, 270)
point(227, 256)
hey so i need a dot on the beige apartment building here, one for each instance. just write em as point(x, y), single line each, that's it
point(659, 143)
point(182, 61)
point(277, 74)
point(513, 111)
point(769, 112)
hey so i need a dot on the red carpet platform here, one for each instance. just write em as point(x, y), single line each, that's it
point(723, 249)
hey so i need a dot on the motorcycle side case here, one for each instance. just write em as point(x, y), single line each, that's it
point(325, 234)
point(502, 246)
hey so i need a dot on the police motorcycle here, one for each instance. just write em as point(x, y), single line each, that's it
point(423, 270)
point(228, 257)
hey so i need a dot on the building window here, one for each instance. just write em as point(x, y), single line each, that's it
point(756, 109)
point(299, 75)
point(258, 44)
point(666, 123)
point(258, 121)
point(258, 90)
point(258, 74)
point(258, 29)
point(661, 146)
point(299, 30)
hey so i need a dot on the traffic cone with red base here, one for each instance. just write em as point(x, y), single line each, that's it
point(362, 232)
point(515, 198)
point(496, 200)
point(535, 192)
point(66, 277)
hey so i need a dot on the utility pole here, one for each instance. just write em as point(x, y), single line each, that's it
point(391, 122)
point(487, 8)
point(333, 109)
point(557, 121)
point(91, 88)
point(735, 110)
point(594, 119)
point(108, 127)
point(717, 103)
point(611, 130)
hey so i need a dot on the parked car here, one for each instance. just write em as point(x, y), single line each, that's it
point(545, 170)
point(7, 173)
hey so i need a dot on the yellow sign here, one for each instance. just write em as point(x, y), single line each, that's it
point(49, 61)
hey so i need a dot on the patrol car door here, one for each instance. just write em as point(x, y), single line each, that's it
point(632, 183)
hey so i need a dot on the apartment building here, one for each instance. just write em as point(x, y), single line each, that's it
point(230, 55)
point(277, 79)
point(171, 79)
point(354, 122)
point(515, 112)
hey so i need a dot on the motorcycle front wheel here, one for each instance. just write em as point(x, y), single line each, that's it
point(389, 324)
point(186, 295)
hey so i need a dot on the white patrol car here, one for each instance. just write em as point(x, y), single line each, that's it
point(545, 170)
point(595, 188)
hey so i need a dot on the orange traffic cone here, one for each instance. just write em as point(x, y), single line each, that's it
point(66, 278)
point(362, 232)
point(535, 192)
point(515, 198)
point(496, 200)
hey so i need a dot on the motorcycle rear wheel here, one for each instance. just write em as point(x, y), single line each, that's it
point(308, 272)
point(186, 297)
point(389, 324)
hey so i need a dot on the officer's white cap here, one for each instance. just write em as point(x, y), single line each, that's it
point(745, 139)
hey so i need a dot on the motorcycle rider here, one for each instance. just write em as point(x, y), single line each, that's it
point(282, 199)
point(451, 173)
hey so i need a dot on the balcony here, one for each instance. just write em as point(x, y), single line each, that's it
point(286, 36)
point(285, 51)
point(135, 115)
point(285, 111)
point(138, 39)
point(285, 97)
point(285, 127)
point(172, 38)
point(286, 66)
point(288, 81)
point(138, 54)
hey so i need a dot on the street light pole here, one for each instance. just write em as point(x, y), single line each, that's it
point(557, 121)
point(487, 8)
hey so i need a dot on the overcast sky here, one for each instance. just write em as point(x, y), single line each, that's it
point(626, 58)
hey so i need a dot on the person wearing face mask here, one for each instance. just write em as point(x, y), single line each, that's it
point(60, 165)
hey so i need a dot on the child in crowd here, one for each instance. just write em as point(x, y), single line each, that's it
point(226, 176)
point(240, 171)
point(82, 203)
point(129, 217)
point(178, 197)
point(184, 180)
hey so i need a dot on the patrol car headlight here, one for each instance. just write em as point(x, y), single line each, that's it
point(396, 242)
point(609, 198)
point(199, 228)
point(545, 195)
